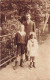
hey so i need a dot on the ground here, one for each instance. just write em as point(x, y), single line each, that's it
point(41, 72)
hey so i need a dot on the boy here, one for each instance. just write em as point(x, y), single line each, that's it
point(20, 38)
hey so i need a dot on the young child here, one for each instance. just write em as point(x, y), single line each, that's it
point(20, 39)
point(32, 48)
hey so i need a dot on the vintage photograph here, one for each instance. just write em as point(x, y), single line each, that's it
point(24, 39)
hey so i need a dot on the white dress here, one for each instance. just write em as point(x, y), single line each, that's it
point(32, 47)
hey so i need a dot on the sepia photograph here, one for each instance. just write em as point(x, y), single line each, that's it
point(24, 39)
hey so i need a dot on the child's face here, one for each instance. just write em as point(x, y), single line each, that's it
point(22, 28)
point(32, 36)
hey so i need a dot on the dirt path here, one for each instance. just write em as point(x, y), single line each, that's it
point(41, 72)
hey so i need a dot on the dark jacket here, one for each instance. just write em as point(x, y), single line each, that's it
point(20, 39)
point(30, 27)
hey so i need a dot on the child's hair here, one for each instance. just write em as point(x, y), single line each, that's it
point(32, 34)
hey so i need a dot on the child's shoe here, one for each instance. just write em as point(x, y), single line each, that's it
point(14, 67)
point(30, 65)
point(34, 64)
point(21, 63)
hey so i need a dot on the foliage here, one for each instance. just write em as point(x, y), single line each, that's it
point(37, 9)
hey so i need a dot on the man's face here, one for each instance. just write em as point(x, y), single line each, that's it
point(28, 17)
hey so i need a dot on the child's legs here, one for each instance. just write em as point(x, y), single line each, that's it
point(33, 59)
point(16, 60)
point(30, 62)
point(30, 59)
point(22, 50)
point(18, 51)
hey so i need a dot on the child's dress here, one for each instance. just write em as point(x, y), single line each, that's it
point(32, 47)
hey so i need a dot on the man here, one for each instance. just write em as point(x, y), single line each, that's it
point(29, 27)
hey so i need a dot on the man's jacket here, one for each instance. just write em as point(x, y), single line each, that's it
point(30, 27)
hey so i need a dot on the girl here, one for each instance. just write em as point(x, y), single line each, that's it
point(32, 48)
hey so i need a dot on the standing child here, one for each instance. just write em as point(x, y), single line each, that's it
point(32, 48)
point(20, 39)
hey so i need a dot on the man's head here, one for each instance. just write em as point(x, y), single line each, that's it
point(28, 16)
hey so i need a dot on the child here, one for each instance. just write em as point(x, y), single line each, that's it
point(20, 39)
point(32, 48)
